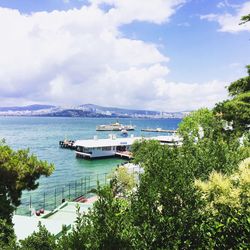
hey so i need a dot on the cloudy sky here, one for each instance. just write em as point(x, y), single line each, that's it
point(167, 55)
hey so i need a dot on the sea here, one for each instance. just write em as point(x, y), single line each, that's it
point(41, 135)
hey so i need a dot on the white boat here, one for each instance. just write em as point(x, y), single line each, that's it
point(114, 127)
point(129, 127)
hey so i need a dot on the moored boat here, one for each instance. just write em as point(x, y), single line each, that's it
point(115, 127)
point(124, 133)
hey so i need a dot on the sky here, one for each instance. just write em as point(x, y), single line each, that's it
point(165, 55)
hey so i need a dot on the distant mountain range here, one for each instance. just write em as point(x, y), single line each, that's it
point(26, 108)
point(85, 110)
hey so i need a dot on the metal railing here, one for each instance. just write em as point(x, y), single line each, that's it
point(52, 198)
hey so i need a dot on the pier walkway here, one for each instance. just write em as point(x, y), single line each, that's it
point(67, 144)
point(124, 154)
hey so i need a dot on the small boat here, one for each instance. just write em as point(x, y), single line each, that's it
point(129, 127)
point(124, 133)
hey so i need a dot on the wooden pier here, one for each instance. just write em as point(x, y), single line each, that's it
point(69, 144)
point(159, 130)
point(124, 154)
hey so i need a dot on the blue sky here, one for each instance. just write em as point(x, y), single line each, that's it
point(196, 49)
point(165, 54)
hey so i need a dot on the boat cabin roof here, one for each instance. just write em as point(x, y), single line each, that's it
point(112, 142)
point(96, 143)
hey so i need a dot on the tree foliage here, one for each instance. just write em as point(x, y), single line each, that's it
point(6, 233)
point(122, 181)
point(199, 124)
point(240, 86)
point(245, 19)
point(105, 226)
point(18, 171)
point(166, 208)
point(227, 208)
point(42, 239)
point(237, 109)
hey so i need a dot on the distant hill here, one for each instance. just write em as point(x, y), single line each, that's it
point(85, 110)
point(96, 108)
point(28, 108)
point(74, 113)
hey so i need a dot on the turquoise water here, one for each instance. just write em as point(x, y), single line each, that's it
point(42, 134)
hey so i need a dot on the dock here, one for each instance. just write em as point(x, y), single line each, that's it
point(124, 154)
point(69, 144)
point(159, 130)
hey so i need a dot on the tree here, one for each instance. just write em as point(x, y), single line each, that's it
point(122, 181)
point(6, 233)
point(237, 109)
point(240, 86)
point(42, 239)
point(245, 19)
point(161, 207)
point(227, 208)
point(199, 124)
point(105, 226)
point(166, 208)
point(18, 171)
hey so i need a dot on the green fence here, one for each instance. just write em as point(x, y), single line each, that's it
point(52, 198)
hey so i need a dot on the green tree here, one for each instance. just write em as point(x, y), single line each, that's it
point(199, 124)
point(227, 208)
point(245, 19)
point(6, 234)
point(237, 109)
point(165, 209)
point(41, 240)
point(18, 171)
point(240, 86)
point(160, 206)
point(122, 181)
point(105, 226)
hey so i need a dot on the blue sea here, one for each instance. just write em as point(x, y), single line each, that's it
point(42, 135)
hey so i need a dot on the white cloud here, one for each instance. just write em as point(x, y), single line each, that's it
point(186, 96)
point(80, 56)
point(221, 4)
point(184, 24)
point(157, 11)
point(226, 3)
point(230, 22)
